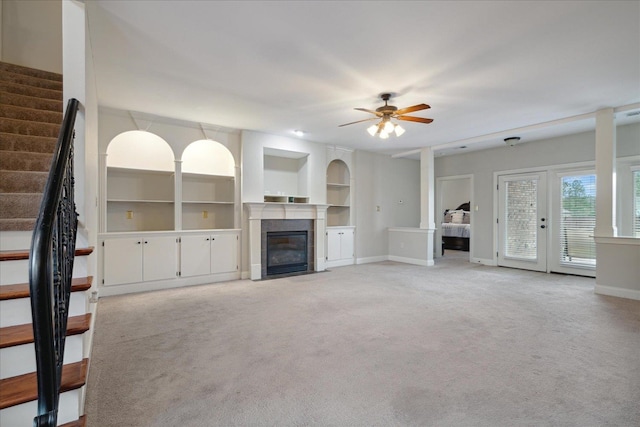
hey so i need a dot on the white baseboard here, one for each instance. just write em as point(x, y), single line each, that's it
point(484, 261)
point(617, 292)
point(368, 260)
point(340, 263)
point(245, 275)
point(129, 288)
point(414, 261)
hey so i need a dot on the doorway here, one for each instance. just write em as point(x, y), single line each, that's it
point(522, 221)
point(454, 239)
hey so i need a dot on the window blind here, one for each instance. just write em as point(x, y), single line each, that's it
point(578, 219)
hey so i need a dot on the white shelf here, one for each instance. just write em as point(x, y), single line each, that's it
point(138, 201)
point(270, 198)
point(206, 202)
point(337, 185)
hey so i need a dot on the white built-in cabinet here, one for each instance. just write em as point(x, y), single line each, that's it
point(166, 219)
point(203, 254)
point(139, 259)
point(340, 246)
point(340, 232)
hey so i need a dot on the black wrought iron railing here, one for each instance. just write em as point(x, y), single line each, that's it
point(51, 270)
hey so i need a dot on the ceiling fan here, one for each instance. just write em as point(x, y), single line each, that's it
point(388, 112)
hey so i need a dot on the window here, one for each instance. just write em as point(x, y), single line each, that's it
point(578, 219)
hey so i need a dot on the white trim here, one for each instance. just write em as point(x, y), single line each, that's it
point(484, 261)
point(617, 240)
point(105, 291)
point(340, 263)
point(617, 292)
point(371, 259)
point(437, 247)
point(411, 230)
point(415, 261)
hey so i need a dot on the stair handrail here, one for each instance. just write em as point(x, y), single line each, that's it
point(51, 270)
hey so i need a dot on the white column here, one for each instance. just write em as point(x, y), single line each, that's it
point(177, 195)
point(427, 198)
point(427, 189)
point(606, 174)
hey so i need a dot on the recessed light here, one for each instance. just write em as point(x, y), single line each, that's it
point(512, 140)
point(298, 132)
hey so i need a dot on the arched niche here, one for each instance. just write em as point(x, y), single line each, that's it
point(338, 172)
point(139, 149)
point(208, 157)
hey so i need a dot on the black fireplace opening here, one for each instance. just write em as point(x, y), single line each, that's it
point(286, 252)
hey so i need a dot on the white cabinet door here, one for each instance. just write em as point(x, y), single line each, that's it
point(224, 253)
point(159, 259)
point(195, 255)
point(334, 244)
point(122, 261)
point(346, 244)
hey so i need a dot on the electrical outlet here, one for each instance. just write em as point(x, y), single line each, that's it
point(378, 208)
point(129, 214)
point(205, 214)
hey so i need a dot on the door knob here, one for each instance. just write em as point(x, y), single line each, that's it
point(543, 226)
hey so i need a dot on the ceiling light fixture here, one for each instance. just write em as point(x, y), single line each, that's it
point(512, 140)
point(385, 128)
point(298, 133)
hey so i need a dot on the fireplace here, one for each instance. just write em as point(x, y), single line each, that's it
point(286, 252)
point(287, 247)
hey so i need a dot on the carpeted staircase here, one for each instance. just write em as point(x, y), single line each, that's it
point(30, 118)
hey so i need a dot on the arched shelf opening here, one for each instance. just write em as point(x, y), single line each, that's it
point(338, 193)
point(140, 174)
point(139, 149)
point(208, 186)
point(208, 157)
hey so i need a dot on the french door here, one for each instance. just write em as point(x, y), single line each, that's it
point(522, 221)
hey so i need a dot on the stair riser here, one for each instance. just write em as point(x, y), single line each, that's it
point(30, 114)
point(21, 359)
point(30, 81)
point(22, 182)
point(30, 102)
point(13, 241)
point(22, 127)
point(19, 161)
point(27, 143)
point(36, 92)
point(22, 415)
point(19, 205)
point(18, 311)
point(17, 224)
point(26, 71)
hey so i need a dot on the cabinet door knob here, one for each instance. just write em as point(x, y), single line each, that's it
point(207, 239)
point(145, 242)
point(138, 242)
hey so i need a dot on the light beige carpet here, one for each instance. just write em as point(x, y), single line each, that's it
point(383, 344)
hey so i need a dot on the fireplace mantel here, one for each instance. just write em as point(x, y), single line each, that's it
point(259, 211)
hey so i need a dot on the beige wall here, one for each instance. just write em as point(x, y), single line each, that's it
point(32, 33)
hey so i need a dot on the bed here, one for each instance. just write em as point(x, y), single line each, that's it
point(456, 228)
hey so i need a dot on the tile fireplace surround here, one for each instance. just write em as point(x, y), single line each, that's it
point(285, 211)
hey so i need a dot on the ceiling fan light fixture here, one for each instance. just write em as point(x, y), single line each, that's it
point(384, 134)
point(388, 126)
point(399, 130)
point(373, 129)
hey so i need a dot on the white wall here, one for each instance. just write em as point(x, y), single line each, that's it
point(32, 33)
point(536, 154)
point(454, 193)
point(383, 182)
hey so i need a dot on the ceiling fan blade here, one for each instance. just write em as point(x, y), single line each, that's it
point(412, 109)
point(414, 119)
point(369, 111)
point(359, 121)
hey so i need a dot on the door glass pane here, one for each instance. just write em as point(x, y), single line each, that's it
point(521, 216)
point(578, 219)
point(636, 203)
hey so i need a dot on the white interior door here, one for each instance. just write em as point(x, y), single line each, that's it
point(522, 221)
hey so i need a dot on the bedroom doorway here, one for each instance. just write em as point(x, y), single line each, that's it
point(453, 225)
point(523, 221)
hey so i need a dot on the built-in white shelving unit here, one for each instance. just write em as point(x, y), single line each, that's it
point(338, 194)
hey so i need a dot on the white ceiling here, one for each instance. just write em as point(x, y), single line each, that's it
point(486, 68)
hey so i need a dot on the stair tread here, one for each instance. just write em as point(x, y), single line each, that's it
point(29, 71)
point(32, 81)
point(24, 254)
point(24, 388)
point(21, 290)
point(23, 334)
point(19, 112)
point(80, 422)
point(38, 92)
